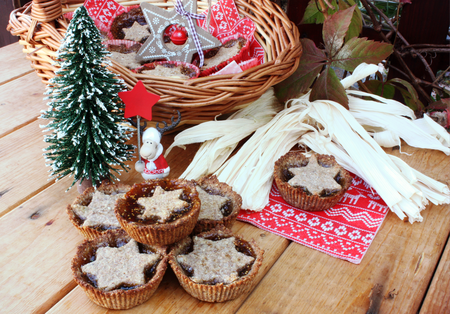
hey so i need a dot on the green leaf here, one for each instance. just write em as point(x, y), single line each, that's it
point(311, 63)
point(409, 94)
point(356, 24)
point(329, 87)
point(380, 88)
point(312, 14)
point(335, 29)
point(359, 50)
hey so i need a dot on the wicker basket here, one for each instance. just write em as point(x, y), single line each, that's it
point(41, 29)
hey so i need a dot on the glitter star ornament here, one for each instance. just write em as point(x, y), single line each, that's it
point(158, 20)
point(114, 267)
point(315, 178)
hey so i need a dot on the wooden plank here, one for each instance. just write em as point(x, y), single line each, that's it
point(401, 260)
point(36, 268)
point(171, 297)
point(13, 63)
point(437, 299)
point(19, 111)
point(22, 167)
point(35, 271)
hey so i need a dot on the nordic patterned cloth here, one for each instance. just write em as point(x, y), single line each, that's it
point(189, 15)
point(344, 231)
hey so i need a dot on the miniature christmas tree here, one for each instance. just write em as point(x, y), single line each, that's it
point(88, 139)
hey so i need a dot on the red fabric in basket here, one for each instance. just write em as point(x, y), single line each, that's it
point(344, 231)
point(103, 12)
point(226, 22)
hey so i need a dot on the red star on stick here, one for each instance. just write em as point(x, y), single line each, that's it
point(139, 102)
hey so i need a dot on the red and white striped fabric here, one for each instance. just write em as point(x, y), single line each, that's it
point(344, 231)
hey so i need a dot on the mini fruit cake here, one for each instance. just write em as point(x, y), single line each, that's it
point(131, 25)
point(124, 55)
point(92, 213)
point(159, 211)
point(227, 51)
point(117, 272)
point(216, 266)
point(170, 69)
point(219, 204)
point(315, 183)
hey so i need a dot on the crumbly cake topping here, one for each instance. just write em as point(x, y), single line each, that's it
point(119, 266)
point(136, 32)
point(126, 59)
point(162, 204)
point(315, 178)
point(210, 205)
point(215, 261)
point(160, 70)
point(100, 211)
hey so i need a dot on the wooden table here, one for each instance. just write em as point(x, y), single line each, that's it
point(406, 269)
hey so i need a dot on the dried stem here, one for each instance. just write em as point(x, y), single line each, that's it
point(414, 50)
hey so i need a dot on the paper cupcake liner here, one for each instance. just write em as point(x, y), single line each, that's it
point(212, 184)
point(152, 65)
point(245, 65)
point(85, 199)
point(162, 233)
point(115, 299)
point(296, 196)
point(118, 42)
point(218, 292)
point(242, 55)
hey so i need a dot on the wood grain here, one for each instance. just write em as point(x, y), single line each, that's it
point(13, 63)
point(171, 297)
point(18, 107)
point(37, 242)
point(437, 299)
point(401, 260)
point(22, 168)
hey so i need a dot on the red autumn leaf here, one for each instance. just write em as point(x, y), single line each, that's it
point(329, 87)
point(311, 63)
point(335, 29)
point(359, 50)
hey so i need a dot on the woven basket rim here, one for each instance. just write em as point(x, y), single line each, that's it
point(199, 99)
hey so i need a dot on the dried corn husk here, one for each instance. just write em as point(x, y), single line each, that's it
point(250, 170)
point(221, 137)
point(328, 128)
point(389, 122)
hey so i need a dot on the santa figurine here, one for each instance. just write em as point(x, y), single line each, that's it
point(152, 164)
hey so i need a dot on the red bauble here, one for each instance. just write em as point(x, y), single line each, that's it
point(178, 37)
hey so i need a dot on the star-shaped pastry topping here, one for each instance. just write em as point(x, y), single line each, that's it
point(100, 211)
point(314, 177)
point(215, 261)
point(138, 101)
point(136, 32)
point(162, 204)
point(158, 20)
point(119, 266)
point(210, 205)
